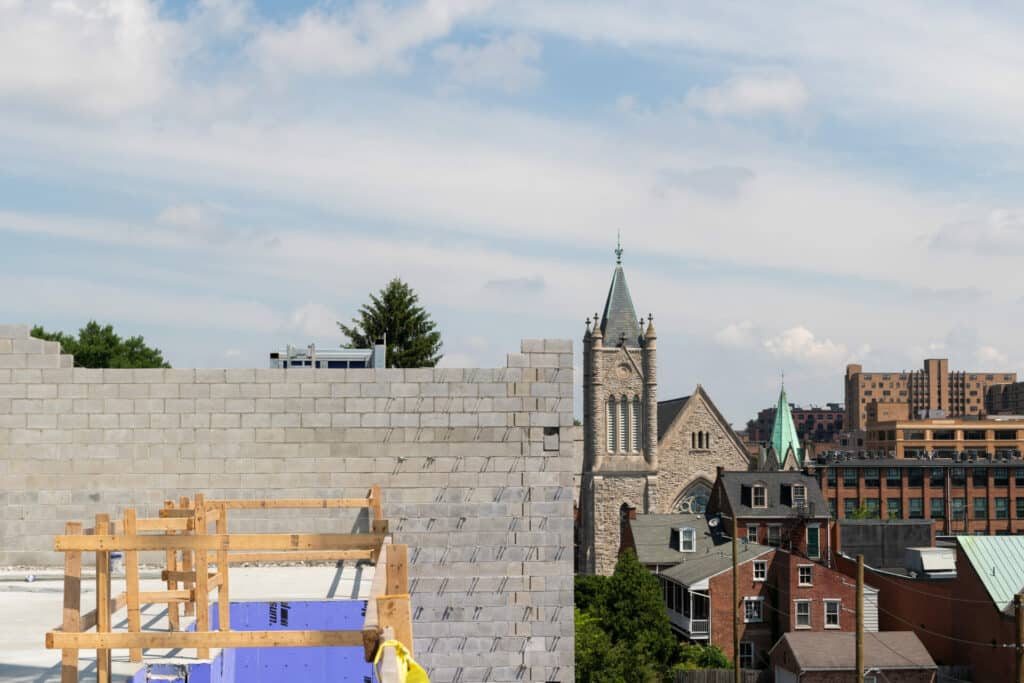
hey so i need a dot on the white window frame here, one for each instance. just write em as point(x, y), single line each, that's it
point(759, 601)
point(746, 654)
point(839, 611)
point(752, 537)
point(802, 500)
point(796, 613)
point(799, 574)
point(685, 531)
point(763, 566)
point(753, 496)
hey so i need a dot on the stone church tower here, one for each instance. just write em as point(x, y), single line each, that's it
point(625, 428)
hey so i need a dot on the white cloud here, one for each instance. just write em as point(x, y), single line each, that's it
point(997, 231)
point(362, 39)
point(313, 320)
point(101, 57)
point(231, 354)
point(750, 95)
point(739, 335)
point(507, 63)
point(992, 358)
point(799, 344)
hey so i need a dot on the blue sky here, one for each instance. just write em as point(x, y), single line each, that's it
point(798, 187)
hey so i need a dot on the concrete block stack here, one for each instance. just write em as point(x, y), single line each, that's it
point(476, 467)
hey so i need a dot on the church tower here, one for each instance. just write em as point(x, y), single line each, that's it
point(620, 409)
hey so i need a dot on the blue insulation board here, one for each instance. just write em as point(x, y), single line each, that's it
point(286, 664)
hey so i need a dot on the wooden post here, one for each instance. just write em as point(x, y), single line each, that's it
point(394, 611)
point(102, 600)
point(223, 602)
point(202, 606)
point(397, 570)
point(735, 605)
point(173, 613)
point(1018, 614)
point(131, 581)
point(860, 619)
point(72, 605)
point(187, 564)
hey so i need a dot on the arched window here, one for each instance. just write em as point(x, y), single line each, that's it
point(700, 439)
point(623, 522)
point(695, 498)
point(707, 439)
point(623, 424)
point(634, 425)
point(610, 424)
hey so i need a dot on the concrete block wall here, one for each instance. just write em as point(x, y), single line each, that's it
point(476, 467)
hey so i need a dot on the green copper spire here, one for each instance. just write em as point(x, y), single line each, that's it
point(784, 433)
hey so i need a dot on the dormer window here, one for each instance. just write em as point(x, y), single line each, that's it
point(799, 496)
point(684, 539)
point(759, 496)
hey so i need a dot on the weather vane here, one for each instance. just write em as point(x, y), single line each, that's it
point(618, 247)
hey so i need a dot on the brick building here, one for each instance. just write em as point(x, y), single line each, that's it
point(933, 388)
point(777, 509)
point(964, 618)
point(901, 437)
point(814, 424)
point(960, 496)
point(889, 657)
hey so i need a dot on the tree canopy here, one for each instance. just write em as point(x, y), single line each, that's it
point(623, 632)
point(395, 317)
point(99, 346)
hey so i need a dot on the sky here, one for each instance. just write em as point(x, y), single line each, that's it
point(797, 186)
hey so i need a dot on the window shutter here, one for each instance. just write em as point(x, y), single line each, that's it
point(745, 497)
point(610, 424)
point(787, 494)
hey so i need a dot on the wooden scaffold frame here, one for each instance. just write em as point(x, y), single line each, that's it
point(182, 532)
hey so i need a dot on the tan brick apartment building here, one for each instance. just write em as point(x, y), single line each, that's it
point(932, 388)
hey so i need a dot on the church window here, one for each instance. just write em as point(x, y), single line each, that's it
point(634, 426)
point(707, 439)
point(693, 439)
point(622, 425)
point(611, 425)
point(700, 439)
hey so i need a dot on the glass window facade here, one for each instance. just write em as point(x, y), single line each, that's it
point(917, 508)
point(938, 508)
point(981, 508)
point(893, 508)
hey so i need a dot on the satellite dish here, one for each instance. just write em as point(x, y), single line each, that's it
point(714, 522)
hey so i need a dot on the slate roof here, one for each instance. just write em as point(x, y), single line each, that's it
point(733, 482)
point(619, 318)
point(667, 412)
point(652, 535)
point(714, 560)
point(999, 563)
point(835, 650)
point(784, 435)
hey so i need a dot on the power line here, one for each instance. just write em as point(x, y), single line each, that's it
point(936, 633)
point(920, 592)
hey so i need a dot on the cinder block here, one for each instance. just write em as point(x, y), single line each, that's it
point(28, 345)
point(532, 346)
point(6, 345)
point(211, 376)
point(13, 360)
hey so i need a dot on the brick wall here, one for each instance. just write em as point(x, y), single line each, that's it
point(720, 590)
point(477, 478)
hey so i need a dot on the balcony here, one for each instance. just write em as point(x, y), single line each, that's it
point(696, 625)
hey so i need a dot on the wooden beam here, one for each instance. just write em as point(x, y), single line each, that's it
point(301, 556)
point(170, 575)
point(289, 503)
point(397, 570)
point(186, 560)
point(208, 542)
point(157, 524)
point(223, 602)
point(202, 592)
point(198, 639)
point(395, 611)
point(175, 596)
point(376, 505)
point(131, 581)
point(102, 600)
point(171, 513)
point(90, 618)
point(72, 606)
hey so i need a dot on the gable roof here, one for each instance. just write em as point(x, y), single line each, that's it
point(667, 413)
point(732, 484)
point(652, 536)
point(715, 559)
point(999, 563)
point(619, 319)
point(835, 650)
point(784, 435)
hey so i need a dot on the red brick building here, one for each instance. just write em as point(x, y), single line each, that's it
point(962, 620)
point(814, 424)
point(889, 657)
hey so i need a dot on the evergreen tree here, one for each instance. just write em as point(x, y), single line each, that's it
point(100, 347)
point(395, 316)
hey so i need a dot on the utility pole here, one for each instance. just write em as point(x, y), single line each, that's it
point(860, 619)
point(1018, 614)
point(736, 607)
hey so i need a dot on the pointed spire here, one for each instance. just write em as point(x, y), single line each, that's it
point(784, 434)
point(650, 334)
point(618, 248)
point(619, 322)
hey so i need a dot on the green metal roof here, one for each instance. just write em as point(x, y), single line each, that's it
point(999, 563)
point(619, 322)
point(784, 433)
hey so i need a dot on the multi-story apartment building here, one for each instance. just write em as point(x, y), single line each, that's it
point(962, 495)
point(1005, 399)
point(946, 437)
point(815, 424)
point(931, 389)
